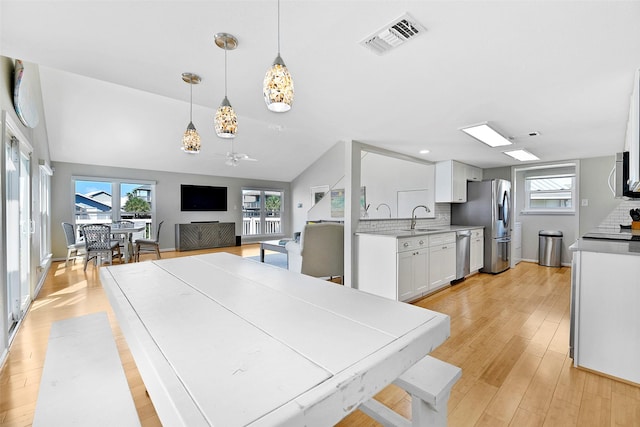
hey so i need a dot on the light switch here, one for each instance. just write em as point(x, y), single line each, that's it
point(585, 202)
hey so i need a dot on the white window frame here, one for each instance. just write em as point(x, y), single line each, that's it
point(115, 188)
point(529, 210)
point(45, 213)
point(263, 192)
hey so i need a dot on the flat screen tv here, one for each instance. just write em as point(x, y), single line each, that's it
point(203, 198)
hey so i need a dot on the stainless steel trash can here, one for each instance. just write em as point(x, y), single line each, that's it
point(550, 248)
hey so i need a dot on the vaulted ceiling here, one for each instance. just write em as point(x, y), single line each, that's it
point(113, 93)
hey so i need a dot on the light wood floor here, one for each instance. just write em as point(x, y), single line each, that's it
point(509, 334)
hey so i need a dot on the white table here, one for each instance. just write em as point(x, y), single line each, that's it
point(128, 232)
point(226, 341)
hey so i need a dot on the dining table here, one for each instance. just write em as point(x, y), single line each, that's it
point(221, 340)
point(127, 232)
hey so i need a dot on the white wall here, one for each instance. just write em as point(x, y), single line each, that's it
point(327, 170)
point(38, 139)
point(385, 178)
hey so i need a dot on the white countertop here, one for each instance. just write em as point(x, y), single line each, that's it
point(619, 247)
point(419, 231)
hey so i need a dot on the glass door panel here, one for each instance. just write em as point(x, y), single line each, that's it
point(261, 212)
point(26, 229)
point(12, 244)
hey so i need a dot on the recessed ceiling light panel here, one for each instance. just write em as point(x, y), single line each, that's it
point(486, 134)
point(522, 155)
point(424, 151)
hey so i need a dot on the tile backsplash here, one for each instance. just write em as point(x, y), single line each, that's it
point(620, 215)
point(442, 219)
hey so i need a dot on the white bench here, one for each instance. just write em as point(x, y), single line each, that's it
point(83, 382)
point(429, 382)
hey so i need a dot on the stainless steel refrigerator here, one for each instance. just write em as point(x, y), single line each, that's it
point(488, 204)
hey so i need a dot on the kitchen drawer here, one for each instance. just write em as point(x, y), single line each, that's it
point(442, 239)
point(411, 243)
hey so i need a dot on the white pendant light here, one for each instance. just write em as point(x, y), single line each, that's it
point(278, 84)
point(191, 139)
point(226, 121)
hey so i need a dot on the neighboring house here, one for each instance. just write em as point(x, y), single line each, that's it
point(92, 206)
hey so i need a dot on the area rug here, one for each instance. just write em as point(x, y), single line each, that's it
point(275, 259)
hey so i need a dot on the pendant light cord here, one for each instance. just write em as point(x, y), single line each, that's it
point(278, 27)
point(191, 100)
point(225, 68)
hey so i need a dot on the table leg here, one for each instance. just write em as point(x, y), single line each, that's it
point(261, 253)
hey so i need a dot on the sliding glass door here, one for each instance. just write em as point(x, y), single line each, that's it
point(262, 212)
point(18, 224)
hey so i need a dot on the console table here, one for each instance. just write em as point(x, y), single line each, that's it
point(205, 235)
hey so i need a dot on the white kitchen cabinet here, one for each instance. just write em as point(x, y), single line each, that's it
point(413, 273)
point(476, 256)
point(473, 173)
point(400, 268)
point(606, 319)
point(451, 180)
point(442, 259)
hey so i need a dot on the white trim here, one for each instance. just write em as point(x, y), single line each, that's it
point(45, 167)
point(15, 130)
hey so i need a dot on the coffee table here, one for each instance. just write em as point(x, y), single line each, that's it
point(273, 245)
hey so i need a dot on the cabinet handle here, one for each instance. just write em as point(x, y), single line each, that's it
point(406, 244)
point(422, 242)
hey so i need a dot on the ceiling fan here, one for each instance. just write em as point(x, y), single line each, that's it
point(233, 158)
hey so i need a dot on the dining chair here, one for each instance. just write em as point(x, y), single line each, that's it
point(320, 252)
point(122, 238)
point(98, 243)
point(149, 245)
point(75, 247)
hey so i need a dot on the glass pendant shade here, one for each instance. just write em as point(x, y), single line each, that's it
point(278, 87)
point(191, 139)
point(226, 122)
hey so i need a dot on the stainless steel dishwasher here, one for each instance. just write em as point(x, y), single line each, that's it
point(463, 254)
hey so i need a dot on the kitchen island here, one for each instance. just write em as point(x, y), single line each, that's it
point(405, 265)
point(605, 319)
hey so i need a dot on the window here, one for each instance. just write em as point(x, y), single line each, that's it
point(551, 193)
point(103, 201)
point(45, 212)
point(261, 212)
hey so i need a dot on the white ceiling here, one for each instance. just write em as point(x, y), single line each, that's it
point(113, 93)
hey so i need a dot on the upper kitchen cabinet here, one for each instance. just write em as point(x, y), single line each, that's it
point(451, 180)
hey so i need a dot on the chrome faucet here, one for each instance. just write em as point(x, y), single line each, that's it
point(413, 215)
point(388, 207)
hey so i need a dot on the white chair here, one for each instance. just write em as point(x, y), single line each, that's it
point(75, 248)
point(320, 252)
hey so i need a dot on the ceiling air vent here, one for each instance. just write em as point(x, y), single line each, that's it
point(394, 34)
